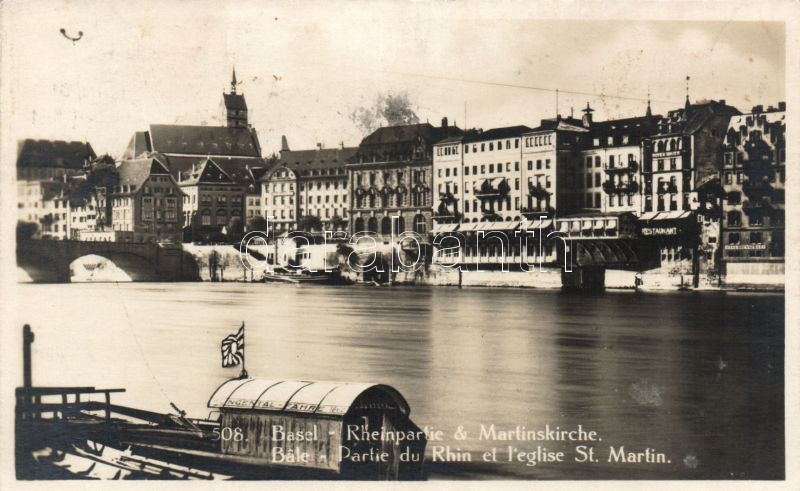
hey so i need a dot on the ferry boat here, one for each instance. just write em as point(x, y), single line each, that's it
point(65, 432)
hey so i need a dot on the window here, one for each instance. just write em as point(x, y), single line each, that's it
point(755, 237)
point(597, 161)
point(530, 165)
point(538, 165)
point(516, 183)
point(660, 164)
point(547, 163)
point(420, 225)
point(734, 219)
point(588, 162)
point(516, 166)
point(491, 168)
point(734, 198)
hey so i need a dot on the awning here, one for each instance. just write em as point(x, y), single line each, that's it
point(598, 224)
point(575, 226)
point(665, 215)
point(586, 225)
point(502, 225)
point(611, 224)
point(468, 227)
point(649, 215)
point(330, 398)
point(444, 227)
point(538, 224)
point(563, 226)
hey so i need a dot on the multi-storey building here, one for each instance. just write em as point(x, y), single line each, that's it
point(47, 159)
point(611, 163)
point(234, 147)
point(322, 183)
point(146, 204)
point(45, 203)
point(212, 199)
point(550, 158)
point(754, 177)
point(680, 158)
point(279, 199)
point(252, 205)
point(391, 175)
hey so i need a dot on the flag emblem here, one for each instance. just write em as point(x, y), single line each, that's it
point(233, 349)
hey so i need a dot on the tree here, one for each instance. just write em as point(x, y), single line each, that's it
point(235, 229)
point(389, 110)
point(257, 223)
point(309, 223)
point(213, 264)
point(26, 230)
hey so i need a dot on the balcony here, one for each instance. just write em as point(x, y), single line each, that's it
point(627, 167)
point(611, 187)
point(756, 190)
point(667, 188)
point(538, 192)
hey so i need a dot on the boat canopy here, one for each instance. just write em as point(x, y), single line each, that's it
point(298, 396)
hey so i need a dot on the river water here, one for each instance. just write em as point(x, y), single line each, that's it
point(695, 376)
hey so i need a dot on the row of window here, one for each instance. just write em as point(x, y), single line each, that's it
point(414, 198)
point(327, 185)
point(386, 224)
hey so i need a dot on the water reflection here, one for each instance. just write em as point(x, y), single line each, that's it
point(696, 376)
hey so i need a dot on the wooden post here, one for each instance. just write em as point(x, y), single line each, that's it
point(108, 406)
point(27, 340)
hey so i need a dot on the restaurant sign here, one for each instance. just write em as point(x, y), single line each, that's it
point(648, 231)
point(745, 247)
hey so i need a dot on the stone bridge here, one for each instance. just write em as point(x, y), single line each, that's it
point(48, 261)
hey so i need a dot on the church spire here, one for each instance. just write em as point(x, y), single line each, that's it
point(649, 113)
point(686, 106)
point(233, 81)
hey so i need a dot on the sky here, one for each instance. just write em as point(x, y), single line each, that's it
point(306, 67)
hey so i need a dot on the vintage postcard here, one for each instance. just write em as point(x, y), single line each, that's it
point(405, 241)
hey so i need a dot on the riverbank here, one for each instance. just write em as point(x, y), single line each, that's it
point(230, 266)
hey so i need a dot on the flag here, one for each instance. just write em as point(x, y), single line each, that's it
point(233, 349)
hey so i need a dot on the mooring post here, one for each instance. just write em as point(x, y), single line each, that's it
point(27, 340)
point(27, 382)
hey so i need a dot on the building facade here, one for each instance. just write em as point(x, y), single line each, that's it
point(279, 199)
point(46, 204)
point(322, 190)
point(754, 180)
point(391, 174)
point(147, 203)
point(212, 201)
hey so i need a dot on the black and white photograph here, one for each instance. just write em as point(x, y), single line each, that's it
point(303, 242)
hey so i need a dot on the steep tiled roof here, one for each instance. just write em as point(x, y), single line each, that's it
point(409, 134)
point(207, 171)
point(326, 158)
point(204, 140)
point(54, 153)
point(135, 172)
point(139, 144)
point(496, 133)
point(692, 118)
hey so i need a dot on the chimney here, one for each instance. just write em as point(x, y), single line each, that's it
point(444, 122)
point(782, 106)
point(284, 144)
point(758, 109)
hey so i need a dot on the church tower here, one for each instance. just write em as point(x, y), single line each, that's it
point(235, 106)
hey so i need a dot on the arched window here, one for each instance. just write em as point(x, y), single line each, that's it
point(221, 217)
point(359, 225)
point(420, 224)
point(372, 225)
point(673, 144)
point(401, 226)
point(660, 147)
point(372, 201)
point(386, 226)
point(205, 217)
